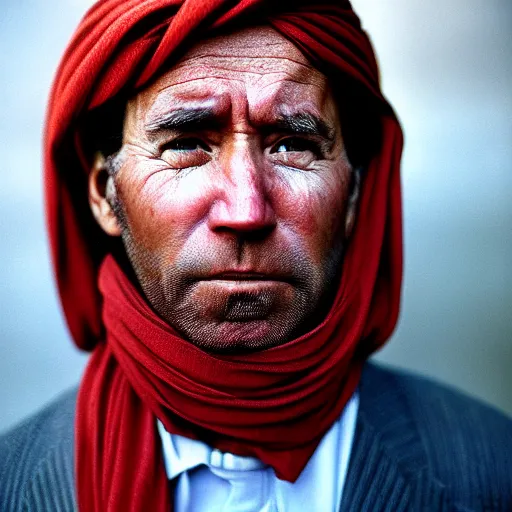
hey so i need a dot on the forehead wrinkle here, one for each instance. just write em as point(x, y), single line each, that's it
point(180, 97)
point(235, 69)
point(188, 60)
point(258, 105)
point(193, 79)
point(252, 78)
point(284, 93)
point(256, 76)
point(264, 78)
point(320, 84)
point(223, 60)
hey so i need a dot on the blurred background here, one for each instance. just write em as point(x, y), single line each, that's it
point(446, 67)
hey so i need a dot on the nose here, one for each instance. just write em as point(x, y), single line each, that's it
point(243, 206)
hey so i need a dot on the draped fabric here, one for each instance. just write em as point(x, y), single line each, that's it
point(275, 404)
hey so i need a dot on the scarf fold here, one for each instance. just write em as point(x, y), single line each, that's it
point(275, 404)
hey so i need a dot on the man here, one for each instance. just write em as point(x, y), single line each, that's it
point(224, 211)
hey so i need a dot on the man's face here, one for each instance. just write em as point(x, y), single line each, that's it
point(233, 184)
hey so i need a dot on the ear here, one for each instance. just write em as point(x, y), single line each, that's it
point(101, 185)
point(353, 201)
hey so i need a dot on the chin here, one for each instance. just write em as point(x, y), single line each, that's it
point(237, 337)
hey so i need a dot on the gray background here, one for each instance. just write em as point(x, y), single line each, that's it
point(447, 68)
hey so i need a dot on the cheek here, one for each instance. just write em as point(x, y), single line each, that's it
point(313, 205)
point(163, 207)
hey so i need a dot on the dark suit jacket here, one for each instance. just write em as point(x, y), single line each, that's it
point(418, 446)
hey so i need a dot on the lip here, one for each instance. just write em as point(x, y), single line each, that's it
point(236, 275)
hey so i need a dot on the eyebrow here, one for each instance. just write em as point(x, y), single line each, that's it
point(184, 119)
point(304, 123)
point(188, 119)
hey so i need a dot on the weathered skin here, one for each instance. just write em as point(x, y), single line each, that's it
point(234, 225)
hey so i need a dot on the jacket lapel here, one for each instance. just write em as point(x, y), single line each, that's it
point(388, 469)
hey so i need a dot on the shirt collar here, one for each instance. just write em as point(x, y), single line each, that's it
point(182, 454)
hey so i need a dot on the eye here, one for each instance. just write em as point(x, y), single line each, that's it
point(186, 144)
point(186, 152)
point(295, 144)
point(296, 152)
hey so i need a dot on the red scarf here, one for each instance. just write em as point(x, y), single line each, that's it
point(276, 404)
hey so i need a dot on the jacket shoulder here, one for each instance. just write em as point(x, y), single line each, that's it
point(36, 460)
point(466, 444)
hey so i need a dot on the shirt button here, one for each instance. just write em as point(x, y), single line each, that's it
point(229, 462)
point(216, 458)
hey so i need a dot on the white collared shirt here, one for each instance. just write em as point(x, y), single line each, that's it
point(209, 480)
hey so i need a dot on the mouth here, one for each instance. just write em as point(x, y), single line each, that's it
point(242, 296)
point(238, 276)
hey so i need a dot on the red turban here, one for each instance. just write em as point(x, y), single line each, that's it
point(140, 368)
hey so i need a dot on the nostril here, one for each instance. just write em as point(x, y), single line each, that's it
point(258, 235)
point(254, 235)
